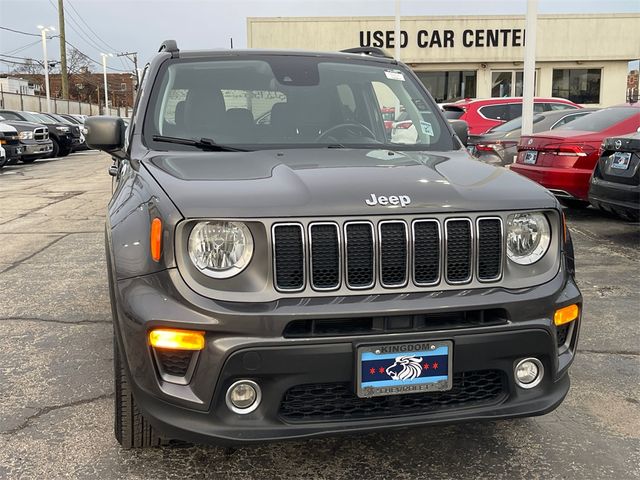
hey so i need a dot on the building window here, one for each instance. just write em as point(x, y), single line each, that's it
point(509, 83)
point(449, 86)
point(578, 85)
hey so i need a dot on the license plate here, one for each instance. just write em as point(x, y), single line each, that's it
point(621, 160)
point(401, 368)
point(530, 157)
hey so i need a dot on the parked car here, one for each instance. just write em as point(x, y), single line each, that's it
point(485, 113)
point(563, 160)
point(60, 133)
point(499, 145)
point(310, 276)
point(34, 140)
point(615, 183)
point(10, 144)
point(78, 120)
point(77, 138)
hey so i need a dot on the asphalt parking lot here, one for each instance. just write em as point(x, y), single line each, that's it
point(56, 360)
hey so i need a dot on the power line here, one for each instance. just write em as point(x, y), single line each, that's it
point(95, 61)
point(83, 35)
point(110, 47)
point(24, 47)
point(22, 33)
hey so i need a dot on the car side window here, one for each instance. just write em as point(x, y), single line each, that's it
point(559, 106)
point(539, 107)
point(515, 111)
point(495, 112)
point(566, 119)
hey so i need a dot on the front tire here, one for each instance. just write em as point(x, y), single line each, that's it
point(56, 148)
point(131, 429)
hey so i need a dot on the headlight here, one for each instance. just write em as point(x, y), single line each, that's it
point(220, 249)
point(25, 135)
point(528, 237)
point(63, 129)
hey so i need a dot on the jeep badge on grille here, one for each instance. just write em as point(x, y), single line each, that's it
point(402, 200)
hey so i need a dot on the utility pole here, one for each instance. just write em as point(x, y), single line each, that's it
point(133, 56)
point(64, 78)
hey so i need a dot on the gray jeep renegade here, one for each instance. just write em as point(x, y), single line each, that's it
point(282, 265)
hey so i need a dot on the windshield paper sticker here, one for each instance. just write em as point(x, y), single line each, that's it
point(427, 129)
point(394, 75)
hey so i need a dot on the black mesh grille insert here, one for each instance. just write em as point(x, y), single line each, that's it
point(289, 257)
point(393, 253)
point(325, 256)
point(426, 252)
point(562, 333)
point(359, 245)
point(489, 249)
point(458, 250)
point(174, 362)
point(337, 401)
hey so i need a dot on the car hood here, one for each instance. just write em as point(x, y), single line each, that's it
point(22, 126)
point(332, 182)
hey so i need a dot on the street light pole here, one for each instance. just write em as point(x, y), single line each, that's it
point(104, 73)
point(44, 31)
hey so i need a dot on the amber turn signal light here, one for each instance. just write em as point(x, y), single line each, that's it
point(176, 339)
point(566, 315)
point(156, 239)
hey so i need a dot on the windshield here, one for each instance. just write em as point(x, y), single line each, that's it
point(28, 117)
point(603, 119)
point(59, 119)
point(279, 101)
point(36, 117)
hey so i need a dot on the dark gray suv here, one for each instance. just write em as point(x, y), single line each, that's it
point(306, 274)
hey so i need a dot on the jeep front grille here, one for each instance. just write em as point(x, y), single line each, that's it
point(390, 253)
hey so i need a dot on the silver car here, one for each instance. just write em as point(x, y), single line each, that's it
point(499, 145)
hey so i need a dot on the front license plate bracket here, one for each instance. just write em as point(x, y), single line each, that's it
point(404, 368)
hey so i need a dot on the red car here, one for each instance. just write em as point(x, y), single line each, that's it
point(563, 160)
point(481, 115)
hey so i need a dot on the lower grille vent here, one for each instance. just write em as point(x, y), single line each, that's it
point(336, 401)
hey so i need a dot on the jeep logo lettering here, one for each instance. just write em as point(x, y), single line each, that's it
point(402, 200)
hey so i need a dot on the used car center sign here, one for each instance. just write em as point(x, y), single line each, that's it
point(468, 38)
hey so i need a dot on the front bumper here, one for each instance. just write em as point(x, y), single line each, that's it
point(12, 152)
point(563, 182)
point(36, 149)
point(245, 341)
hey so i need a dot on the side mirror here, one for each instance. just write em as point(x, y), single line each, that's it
point(461, 128)
point(105, 133)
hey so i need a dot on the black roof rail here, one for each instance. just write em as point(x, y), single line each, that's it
point(373, 51)
point(169, 46)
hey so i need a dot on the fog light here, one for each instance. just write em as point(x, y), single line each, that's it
point(528, 372)
point(243, 396)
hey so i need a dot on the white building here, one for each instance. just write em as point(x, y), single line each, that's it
point(583, 58)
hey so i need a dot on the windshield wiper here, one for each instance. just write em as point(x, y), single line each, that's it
point(203, 144)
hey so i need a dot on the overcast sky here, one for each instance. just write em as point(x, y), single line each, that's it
point(141, 25)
